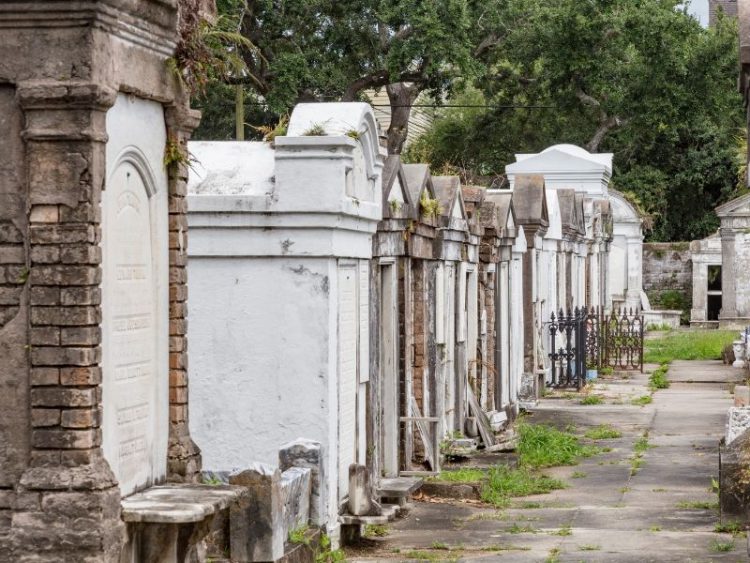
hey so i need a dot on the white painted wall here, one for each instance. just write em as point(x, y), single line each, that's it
point(135, 295)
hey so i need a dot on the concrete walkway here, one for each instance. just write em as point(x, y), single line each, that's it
point(663, 510)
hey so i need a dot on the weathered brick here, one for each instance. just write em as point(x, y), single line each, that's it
point(177, 378)
point(65, 316)
point(66, 275)
point(80, 418)
point(177, 258)
point(178, 413)
point(12, 254)
point(45, 336)
point(81, 376)
point(47, 254)
point(10, 295)
point(81, 336)
point(9, 233)
point(14, 275)
point(62, 234)
point(75, 458)
point(177, 274)
point(45, 417)
point(177, 222)
point(64, 439)
point(177, 310)
point(86, 254)
point(177, 205)
point(178, 395)
point(178, 292)
point(43, 458)
point(45, 376)
point(83, 213)
point(43, 295)
point(177, 327)
point(44, 214)
point(62, 397)
point(27, 501)
point(58, 356)
point(177, 343)
point(7, 497)
point(178, 360)
point(80, 295)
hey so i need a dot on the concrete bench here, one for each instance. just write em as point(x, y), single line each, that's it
point(168, 523)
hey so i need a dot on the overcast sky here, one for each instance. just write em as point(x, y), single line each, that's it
point(700, 9)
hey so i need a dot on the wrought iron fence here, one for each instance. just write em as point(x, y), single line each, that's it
point(590, 338)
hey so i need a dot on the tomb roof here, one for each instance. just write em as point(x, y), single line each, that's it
point(529, 199)
point(236, 168)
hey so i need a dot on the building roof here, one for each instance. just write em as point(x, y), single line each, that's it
point(529, 199)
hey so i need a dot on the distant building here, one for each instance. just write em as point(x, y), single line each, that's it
point(729, 7)
point(420, 120)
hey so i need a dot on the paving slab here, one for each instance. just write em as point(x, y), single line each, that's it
point(660, 508)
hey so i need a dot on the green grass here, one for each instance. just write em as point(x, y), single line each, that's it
point(655, 529)
point(722, 546)
point(376, 530)
point(589, 547)
point(734, 528)
point(578, 475)
point(606, 370)
point(658, 379)
point(592, 400)
point(463, 475)
point(517, 529)
point(641, 401)
point(504, 483)
point(603, 432)
point(544, 446)
point(641, 444)
point(693, 345)
point(564, 531)
point(698, 505)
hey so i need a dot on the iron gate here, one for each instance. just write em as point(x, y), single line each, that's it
point(589, 338)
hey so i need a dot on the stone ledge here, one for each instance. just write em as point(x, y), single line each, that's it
point(179, 504)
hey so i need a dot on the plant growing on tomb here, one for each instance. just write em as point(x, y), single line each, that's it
point(395, 205)
point(354, 134)
point(430, 207)
point(315, 130)
point(271, 132)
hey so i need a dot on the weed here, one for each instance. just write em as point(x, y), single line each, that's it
point(422, 555)
point(734, 528)
point(353, 134)
point(658, 379)
point(504, 482)
point(395, 205)
point(603, 432)
point(698, 505)
point(635, 464)
point(315, 130)
point(271, 132)
point(607, 370)
point(659, 490)
point(516, 529)
point(554, 555)
point(624, 490)
point(299, 535)
point(655, 529)
point(504, 547)
point(592, 400)
point(463, 475)
point(641, 445)
point(530, 505)
point(430, 207)
point(578, 475)
point(589, 547)
point(544, 446)
point(376, 531)
point(440, 545)
point(175, 153)
point(658, 327)
point(641, 401)
point(564, 531)
point(722, 546)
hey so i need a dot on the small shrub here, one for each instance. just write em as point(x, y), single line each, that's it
point(734, 528)
point(607, 370)
point(315, 130)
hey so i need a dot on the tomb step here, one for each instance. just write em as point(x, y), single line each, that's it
point(399, 487)
point(390, 511)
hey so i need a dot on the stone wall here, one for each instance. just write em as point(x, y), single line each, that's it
point(668, 275)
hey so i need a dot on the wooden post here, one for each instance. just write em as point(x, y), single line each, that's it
point(239, 112)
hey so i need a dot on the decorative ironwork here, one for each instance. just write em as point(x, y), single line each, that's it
point(623, 340)
point(590, 339)
point(569, 360)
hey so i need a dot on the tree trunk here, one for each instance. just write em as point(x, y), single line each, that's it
point(401, 96)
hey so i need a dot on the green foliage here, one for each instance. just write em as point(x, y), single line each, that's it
point(300, 535)
point(658, 379)
point(463, 475)
point(639, 78)
point(589, 547)
point(734, 528)
point(503, 483)
point(544, 446)
point(642, 401)
point(699, 505)
point(429, 207)
point(641, 445)
point(693, 345)
point(592, 400)
point(315, 130)
point(270, 132)
point(376, 531)
point(603, 432)
point(722, 546)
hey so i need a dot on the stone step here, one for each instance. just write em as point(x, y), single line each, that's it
point(397, 487)
point(390, 511)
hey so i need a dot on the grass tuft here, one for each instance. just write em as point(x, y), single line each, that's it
point(589, 547)
point(722, 546)
point(544, 446)
point(658, 379)
point(603, 432)
point(463, 475)
point(698, 505)
point(504, 483)
point(641, 401)
point(592, 400)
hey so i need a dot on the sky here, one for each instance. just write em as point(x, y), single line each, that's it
point(699, 8)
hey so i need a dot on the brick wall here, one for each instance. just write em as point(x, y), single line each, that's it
point(667, 273)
